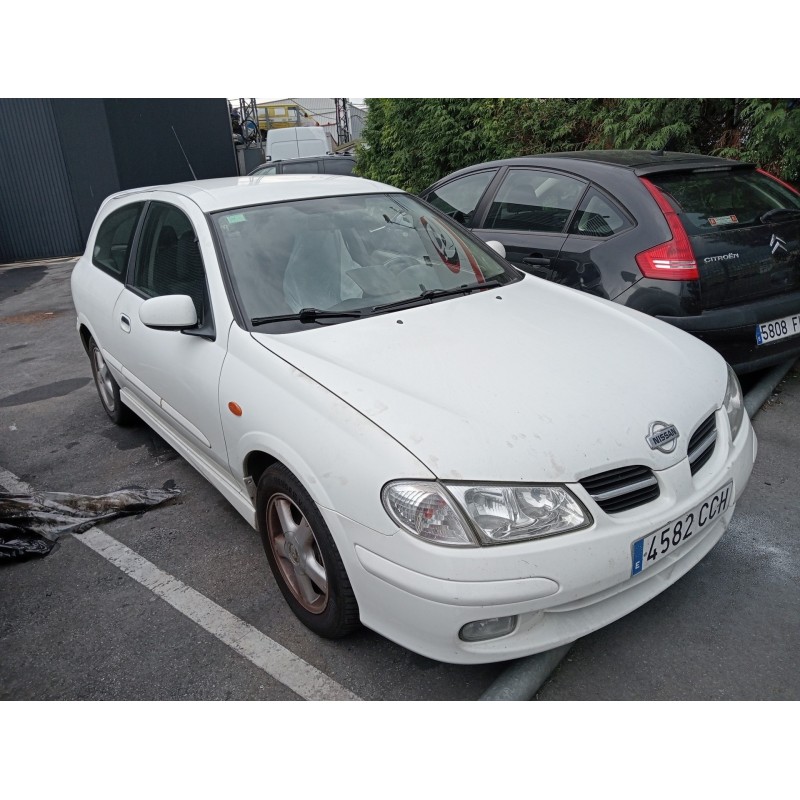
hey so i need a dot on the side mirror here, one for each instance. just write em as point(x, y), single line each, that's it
point(497, 247)
point(170, 312)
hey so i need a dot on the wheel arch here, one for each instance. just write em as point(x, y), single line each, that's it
point(264, 451)
point(85, 334)
point(256, 463)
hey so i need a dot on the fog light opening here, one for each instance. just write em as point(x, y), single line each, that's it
point(483, 629)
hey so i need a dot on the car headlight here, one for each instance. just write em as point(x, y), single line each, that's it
point(513, 513)
point(734, 403)
point(499, 514)
point(424, 509)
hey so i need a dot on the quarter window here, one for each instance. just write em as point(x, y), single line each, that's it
point(530, 200)
point(336, 166)
point(598, 216)
point(168, 260)
point(112, 245)
point(459, 198)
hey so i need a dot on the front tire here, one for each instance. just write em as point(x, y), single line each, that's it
point(107, 387)
point(303, 556)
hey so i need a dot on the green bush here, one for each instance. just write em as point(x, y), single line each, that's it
point(410, 143)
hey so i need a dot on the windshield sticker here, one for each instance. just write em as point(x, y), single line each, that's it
point(444, 246)
point(729, 220)
point(233, 218)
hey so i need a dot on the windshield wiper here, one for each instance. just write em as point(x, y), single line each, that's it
point(305, 315)
point(429, 295)
point(774, 213)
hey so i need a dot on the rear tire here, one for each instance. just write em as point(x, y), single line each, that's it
point(303, 556)
point(107, 387)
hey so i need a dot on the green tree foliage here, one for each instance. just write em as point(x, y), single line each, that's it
point(686, 125)
point(772, 136)
point(411, 142)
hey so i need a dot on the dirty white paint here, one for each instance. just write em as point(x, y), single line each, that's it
point(274, 659)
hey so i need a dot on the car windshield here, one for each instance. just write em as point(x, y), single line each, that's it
point(348, 254)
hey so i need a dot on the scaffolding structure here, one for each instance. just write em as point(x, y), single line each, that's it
point(342, 121)
point(248, 120)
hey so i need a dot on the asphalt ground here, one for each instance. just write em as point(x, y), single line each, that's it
point(74, 625)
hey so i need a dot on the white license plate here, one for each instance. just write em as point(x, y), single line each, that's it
point(768, 332)
point(652, 548)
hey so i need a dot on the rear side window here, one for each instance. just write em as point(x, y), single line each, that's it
point(459, 198)
point(714, 201)
point(112, 245)
point(530, 200)
point(303, 167)
point(598, 216)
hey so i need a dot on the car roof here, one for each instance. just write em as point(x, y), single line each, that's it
point(641, 162)
point(219, 193)
point(326, 157)
point(638, 158)
point(304, 160)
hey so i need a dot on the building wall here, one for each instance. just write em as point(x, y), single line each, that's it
point(147, 150)
point(37, 213)
point(88, 157)
point(59, 159)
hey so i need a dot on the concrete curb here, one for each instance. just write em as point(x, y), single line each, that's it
point(524, 677)
point(761, 392)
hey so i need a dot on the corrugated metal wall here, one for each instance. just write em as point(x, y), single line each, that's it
point(154, 139)
point(60, 158)
point(37, 214)
point(88, 155)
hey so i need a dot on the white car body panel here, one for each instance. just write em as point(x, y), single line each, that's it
point(544, 385)
point(454, 385)
point(327, 444)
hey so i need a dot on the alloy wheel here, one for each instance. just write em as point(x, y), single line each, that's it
point(297, 553)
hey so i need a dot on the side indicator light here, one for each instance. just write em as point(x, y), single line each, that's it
point(235, 409)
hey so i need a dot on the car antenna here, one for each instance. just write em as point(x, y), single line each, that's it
point(194, 177)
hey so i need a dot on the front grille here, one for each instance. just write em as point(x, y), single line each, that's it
point(701, 445)
point(622, 489)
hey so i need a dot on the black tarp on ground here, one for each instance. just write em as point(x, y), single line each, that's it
point(30, 524)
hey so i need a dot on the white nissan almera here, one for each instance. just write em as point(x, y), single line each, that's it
point(477, 464)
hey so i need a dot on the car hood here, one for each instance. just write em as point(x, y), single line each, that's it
point(530, 382)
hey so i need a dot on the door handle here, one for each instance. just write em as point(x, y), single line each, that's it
point(125, 323)
point(537, 261)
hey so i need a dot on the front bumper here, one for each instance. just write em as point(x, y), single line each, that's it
point(561, 588)
point(732, 331)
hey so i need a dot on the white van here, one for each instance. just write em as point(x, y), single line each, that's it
point(295, 143)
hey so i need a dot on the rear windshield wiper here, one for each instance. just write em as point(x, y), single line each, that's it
point(305, 315)
point(429, 295)
point(777, 213)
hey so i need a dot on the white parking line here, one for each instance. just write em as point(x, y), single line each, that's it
point(10, 481)
point(266, 654)
point(274, 659)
